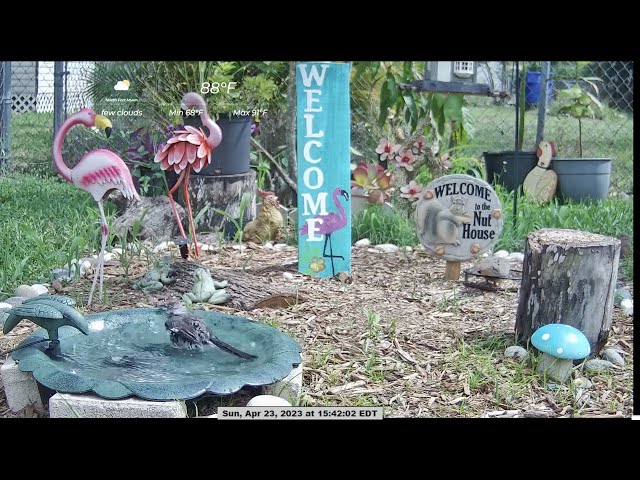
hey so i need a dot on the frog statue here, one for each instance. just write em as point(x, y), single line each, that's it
point(156, 278)
point(206, 289)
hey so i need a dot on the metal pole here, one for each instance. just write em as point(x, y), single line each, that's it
point(58, 94)
point(542, 102)
point(515, 191)
point(5, 115)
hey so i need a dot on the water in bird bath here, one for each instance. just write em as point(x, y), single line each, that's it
point(128, 352)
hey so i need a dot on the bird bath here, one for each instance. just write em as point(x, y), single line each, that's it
point(128, 353)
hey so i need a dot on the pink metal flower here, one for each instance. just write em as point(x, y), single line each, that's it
point(412, 191)
point(445, 161)
point(387, 150)
point(405, 159)
point(418, 145)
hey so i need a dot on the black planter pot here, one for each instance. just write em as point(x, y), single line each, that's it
point(509, 169)
point(232, 155)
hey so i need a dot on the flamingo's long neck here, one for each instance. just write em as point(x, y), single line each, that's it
point(215, 134)
point(336, 194)
point(58, 162)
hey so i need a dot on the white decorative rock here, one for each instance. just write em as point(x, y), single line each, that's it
point(5, 306)
point(108, 256)
point(116, 251)
point(501, 253)
point(205, 247)
point(597, 366)
point(517, 353)
point(268, 401)
point(41, 289)
point(162, 246)
point(279, 246)
point(242, 248)
point(627, 307)
point(406, 249)
point(373, 250)
point(387, 248)
point(86, 268)
point(60, 273)
point(26, 291)
point(363, 242)
point(582, 382)
point(613, 356)
point(516, 257)
point(288, 275)
point(268, 246)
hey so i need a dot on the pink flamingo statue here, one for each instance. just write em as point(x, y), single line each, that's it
point(331, 222)
point(187, 149)
point(99, 172)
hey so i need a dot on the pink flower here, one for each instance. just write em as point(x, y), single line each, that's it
point(387, 150)
point(405, 159)
point(411, 191)
point(418, 145)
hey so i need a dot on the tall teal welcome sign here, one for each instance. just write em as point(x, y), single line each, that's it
point(324, 174)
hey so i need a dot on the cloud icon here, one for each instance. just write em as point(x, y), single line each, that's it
point(122, 85)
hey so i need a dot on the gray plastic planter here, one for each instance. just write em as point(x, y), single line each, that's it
point(583, 179)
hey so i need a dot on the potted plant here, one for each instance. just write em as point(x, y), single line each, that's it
point(582, 179)
point(510, 168)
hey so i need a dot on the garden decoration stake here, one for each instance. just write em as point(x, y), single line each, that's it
point(324, 168)
point(457, 218)
point(540, 184)
point(189, 149)
point(99, 172)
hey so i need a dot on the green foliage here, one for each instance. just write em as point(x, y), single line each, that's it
point(45, 223)
point(414, 108)
point(612, 217)
point(225, 86)
point(239, 224)
point(381, 226)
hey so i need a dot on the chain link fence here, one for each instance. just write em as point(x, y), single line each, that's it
point(30, 109)
point(493, 119)
point(29, 112)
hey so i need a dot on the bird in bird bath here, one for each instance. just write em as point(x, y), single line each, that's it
point(130, 353)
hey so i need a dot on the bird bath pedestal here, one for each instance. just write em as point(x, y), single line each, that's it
point(126, 366)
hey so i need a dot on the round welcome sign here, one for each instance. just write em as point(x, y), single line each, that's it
point(458, 217)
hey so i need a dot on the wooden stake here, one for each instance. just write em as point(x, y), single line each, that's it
point(452, 271)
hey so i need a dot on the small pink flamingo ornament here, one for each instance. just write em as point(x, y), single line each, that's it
point(331, 222)
point(189, 149)
point(99, 172)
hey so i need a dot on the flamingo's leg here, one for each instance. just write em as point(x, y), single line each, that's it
point(188, 203)
point(173, 205)
point(103, 244)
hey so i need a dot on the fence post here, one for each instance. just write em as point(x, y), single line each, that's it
point(58, 96)
point(5, 115)
point(542, 102)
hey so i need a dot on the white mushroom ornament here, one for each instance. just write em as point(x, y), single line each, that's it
point(560, 344)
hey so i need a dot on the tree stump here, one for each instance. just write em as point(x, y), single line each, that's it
point(568, 277)
point(223, 192)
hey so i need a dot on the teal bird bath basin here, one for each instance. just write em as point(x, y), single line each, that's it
point(128, 353)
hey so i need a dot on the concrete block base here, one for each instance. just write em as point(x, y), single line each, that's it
point(20, 388)
point(289, 388)
point(65, 405)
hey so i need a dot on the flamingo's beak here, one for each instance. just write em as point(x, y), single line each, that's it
point(344, 194)
point(103, 123)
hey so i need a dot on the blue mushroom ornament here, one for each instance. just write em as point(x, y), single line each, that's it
point(560, 345)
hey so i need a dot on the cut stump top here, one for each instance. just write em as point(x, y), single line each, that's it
point(570, 238)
